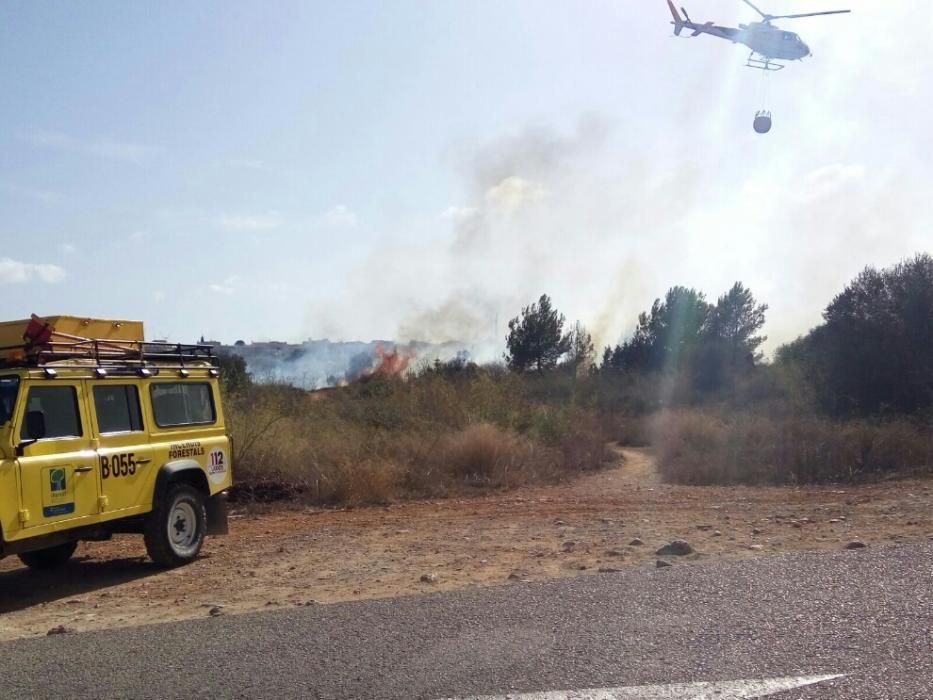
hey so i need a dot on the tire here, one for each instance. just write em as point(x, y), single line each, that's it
point(49, 558)
point(175, 529)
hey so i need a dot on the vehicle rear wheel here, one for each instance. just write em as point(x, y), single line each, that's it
point(175, 528)
point(50, 557)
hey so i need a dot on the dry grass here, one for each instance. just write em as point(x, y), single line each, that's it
point(442, 434)
point(485, 455)
point(388, 439)
point(709, 447)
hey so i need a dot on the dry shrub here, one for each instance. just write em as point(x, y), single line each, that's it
point(386, 439)
point(583, 444)
point(700, 447)
point(486, 455)
point(360, 483)
point(264, 488)
point(633, 431)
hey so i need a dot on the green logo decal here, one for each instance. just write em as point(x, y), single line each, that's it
point(57, 480)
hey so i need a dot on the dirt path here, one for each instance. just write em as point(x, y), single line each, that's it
point(296, 558)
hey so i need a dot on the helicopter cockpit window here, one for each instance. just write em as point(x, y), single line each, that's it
point(789, 36)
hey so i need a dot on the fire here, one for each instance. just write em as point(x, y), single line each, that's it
point(387, 363)
point(391, 363)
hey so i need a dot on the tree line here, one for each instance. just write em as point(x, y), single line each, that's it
point(871, 355)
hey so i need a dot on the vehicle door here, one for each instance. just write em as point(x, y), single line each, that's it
point(124, 454)
point(58, 471)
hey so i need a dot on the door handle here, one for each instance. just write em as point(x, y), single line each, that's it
point(83, 469)
point(143, 460)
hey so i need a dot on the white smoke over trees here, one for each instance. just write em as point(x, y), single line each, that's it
point(671, 187)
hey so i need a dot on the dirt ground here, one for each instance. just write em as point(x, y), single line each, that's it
point(588, 527)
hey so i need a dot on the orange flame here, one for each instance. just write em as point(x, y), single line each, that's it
point(392, 363)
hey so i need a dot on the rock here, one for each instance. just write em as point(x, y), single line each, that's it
point(834, 520)
point(717, 533)
point(704, 527)
point(569, 546)
point(61, 629)
point(660, 564)
point(756, 531)
point(856, 544)
point(608, 570)
point(216, 611)
point(428, 578)
point(677, 548)
point(560, 523)
point(756, 547)
point(615, 553)
point(518, 576)
point(636, 542)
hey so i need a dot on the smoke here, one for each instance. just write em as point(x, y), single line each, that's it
point(672, 187)
point(316, 364)
point(534, 151)
point(463, 317)
point(546, 216)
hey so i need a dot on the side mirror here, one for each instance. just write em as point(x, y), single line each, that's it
point(35, 425)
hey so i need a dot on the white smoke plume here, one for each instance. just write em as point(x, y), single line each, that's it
point(673, 187)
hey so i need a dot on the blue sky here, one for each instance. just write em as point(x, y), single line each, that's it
point(363, 170)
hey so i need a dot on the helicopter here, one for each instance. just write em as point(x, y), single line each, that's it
point(768, 43)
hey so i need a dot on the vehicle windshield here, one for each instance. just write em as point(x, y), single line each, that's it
point(9, 387)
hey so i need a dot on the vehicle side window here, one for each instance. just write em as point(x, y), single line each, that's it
point(59, 404)
point(117, 408)
point(182, 403)
point(9, 386)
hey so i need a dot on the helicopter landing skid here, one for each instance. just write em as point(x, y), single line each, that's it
point(763, 63)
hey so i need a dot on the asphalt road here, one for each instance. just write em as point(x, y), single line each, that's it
point(866, 615)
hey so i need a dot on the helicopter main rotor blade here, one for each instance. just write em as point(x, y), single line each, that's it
point(747, 2)
point(809, 14)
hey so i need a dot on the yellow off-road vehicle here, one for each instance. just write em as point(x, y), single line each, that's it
point(102, 432)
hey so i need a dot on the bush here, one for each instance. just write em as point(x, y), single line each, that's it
point(436, 434)
point(707, 447)
point(487, 455)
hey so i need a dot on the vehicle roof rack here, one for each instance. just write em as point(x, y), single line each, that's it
point(109, 354)
point(44, 346)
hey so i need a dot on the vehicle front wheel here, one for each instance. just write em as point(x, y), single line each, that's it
point(49, 558)
point(175, 528)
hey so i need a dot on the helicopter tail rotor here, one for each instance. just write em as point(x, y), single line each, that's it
point(678, 20)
